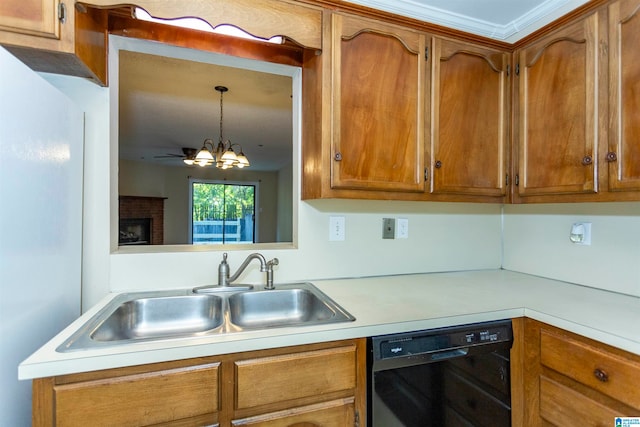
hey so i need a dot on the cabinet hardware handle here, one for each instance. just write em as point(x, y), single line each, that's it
point(612, 156)
point(601, 375)
point(338, 156)
point(438, 164)
point(587, 160)
point(62, 13)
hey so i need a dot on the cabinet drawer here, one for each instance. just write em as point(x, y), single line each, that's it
point(565, 407)
point(337, 413)
point(140, 399)
point(282, 378)
point(610, 374)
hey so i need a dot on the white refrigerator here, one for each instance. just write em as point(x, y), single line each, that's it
point(41, 158)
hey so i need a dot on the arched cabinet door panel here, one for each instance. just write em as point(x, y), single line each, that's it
point(378, 77)
point(557, 118)
point(470, 119)
point(623, 156)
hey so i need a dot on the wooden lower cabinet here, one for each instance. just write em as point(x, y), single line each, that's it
point(334, 413)
point(319, 385)
point(179, 393)
point(573, 380)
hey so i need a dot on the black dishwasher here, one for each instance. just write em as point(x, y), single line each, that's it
point(454, 376)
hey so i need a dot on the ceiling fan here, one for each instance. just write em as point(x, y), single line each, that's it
point(188, 155)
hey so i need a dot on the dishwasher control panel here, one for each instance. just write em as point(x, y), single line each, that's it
point(436, 340)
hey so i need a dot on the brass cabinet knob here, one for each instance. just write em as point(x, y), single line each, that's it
point(601, 375)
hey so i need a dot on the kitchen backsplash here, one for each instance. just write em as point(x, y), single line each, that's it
point(536, 241)
point(532, 239)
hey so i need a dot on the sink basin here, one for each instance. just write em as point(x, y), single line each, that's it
point(150, 316)
point(161, 317)
point(288, 307)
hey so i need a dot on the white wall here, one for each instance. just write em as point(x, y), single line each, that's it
point(443, 236)
point(536, 241)
point(94, 101)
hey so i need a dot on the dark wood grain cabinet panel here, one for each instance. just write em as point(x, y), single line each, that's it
point(470, 119)
point(623, 156)
point(378, 106)
point(558, 130)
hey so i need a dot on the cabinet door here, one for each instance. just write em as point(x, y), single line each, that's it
point(572, 380)
point(168, 396)
point(276, 381)
point(624, 95)
point(378, 106)
point(469, 110)
point(34, 17)
point(337, 413)
point(558, 100)
point(562, 405)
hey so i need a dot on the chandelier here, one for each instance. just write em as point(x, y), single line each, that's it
point(222, 154)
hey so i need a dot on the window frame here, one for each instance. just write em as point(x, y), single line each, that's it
point(256, 207)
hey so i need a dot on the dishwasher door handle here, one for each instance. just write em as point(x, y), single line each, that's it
point(450, 354)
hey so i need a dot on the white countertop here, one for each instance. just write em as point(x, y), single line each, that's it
point(383, 305)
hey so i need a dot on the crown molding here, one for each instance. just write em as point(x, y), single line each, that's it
point(518, 28)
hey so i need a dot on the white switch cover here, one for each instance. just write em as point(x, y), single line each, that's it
point(402, 228)
point(336, 228)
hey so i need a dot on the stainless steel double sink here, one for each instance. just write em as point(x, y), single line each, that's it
point(147, 316)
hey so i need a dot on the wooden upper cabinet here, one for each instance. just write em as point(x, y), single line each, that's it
point(378, 86)
point(33, 17)
point(53, 36)
point(558, 112)
point(470, 119)
point(623, 156)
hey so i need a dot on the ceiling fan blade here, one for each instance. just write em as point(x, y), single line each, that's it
point(169, 156)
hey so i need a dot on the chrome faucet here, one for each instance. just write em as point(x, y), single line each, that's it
point(265, 267)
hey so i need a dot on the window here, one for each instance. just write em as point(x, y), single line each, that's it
point(222, 212)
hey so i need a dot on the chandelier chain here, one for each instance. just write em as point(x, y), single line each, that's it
point(221, 114)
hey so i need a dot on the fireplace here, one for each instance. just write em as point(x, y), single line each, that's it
point(141, 220)
point(135, 231)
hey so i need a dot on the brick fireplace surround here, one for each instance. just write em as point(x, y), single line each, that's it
point(135, 207)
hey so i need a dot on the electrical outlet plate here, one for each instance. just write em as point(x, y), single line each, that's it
point(581, 233)
point(336, 228)
point(402, 228)
point(388, 228)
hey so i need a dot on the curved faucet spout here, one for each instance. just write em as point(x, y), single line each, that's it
point(245, 263)
point(265, 267)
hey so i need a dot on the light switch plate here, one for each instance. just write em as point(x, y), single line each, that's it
point(336, 228)
point(402, 228)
